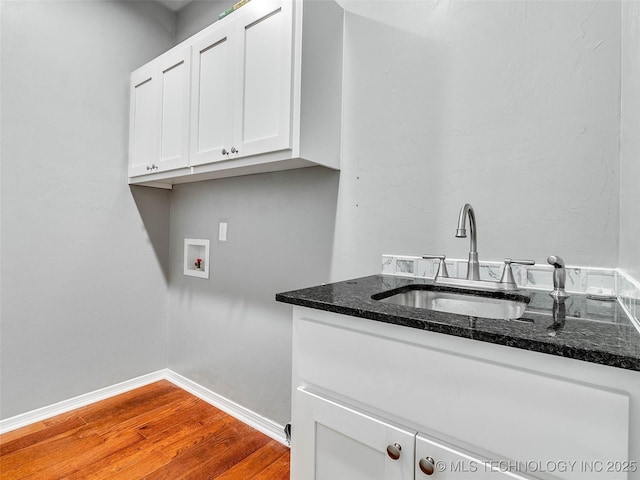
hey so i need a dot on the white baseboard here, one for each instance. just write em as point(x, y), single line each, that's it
point(24, 419)
point(251, 418)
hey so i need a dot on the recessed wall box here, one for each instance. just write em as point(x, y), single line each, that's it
point(196, 257)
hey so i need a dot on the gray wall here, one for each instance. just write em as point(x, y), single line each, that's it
point(512, 106)
point(630, 142)
point(227, 333)
point(84, 293)
point(198, 15)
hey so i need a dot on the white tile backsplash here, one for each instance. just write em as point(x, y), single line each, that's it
point(600, 280)
point(535, 277)
point(538, 277)
point(405, 266)
point(490, 273)
point(628, 291)
point(388, 265)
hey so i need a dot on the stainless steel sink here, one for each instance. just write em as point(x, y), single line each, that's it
point(459, 303)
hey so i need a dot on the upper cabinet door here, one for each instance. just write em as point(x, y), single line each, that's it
point(263, 100)
point(333, 441)
point(142, 120)
point(159, 116)
point(212, 83)
point(174, 75)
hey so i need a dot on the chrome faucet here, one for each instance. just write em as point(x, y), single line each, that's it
point(507, 281)
point(473, 267)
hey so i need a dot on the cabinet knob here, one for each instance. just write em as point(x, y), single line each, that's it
point(427, 465)
point(234, 150)
point(224, 151)
point(393, 451)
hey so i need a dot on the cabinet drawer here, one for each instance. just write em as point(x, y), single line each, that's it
point(512, 412)
point(442, 461)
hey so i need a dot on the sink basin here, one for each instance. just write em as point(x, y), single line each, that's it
point(474, 305)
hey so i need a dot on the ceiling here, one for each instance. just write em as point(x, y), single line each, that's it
point(174, 5)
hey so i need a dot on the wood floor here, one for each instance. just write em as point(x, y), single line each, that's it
point(154, 432)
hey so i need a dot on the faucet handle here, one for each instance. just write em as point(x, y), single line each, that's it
point(442, 266)
point(507, 273)
point(519, 262)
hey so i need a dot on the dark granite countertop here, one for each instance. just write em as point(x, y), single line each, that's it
point(591, 330)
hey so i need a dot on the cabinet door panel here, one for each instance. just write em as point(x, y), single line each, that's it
point(264, 101)
point(212, 101)
point(332, 441)
point(142, 127)
point(174, 110)
point(452, 463)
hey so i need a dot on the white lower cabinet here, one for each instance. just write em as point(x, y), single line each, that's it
point(456, 408)
point(438, 459)
point(333, 441)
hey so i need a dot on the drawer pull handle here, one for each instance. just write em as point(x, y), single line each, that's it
point(394, 451)
point(427, 465)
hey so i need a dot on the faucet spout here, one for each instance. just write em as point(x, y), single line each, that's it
point(473, 268)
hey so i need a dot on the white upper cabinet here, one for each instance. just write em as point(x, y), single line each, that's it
point(142, 126)
point(159, 116)
point(211, 104)
point(263, 102)
point(173, 118)
point(230, 101)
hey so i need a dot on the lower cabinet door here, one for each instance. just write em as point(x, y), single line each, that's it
point(331, 441)
point(441, 461)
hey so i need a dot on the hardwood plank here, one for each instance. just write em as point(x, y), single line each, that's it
point(192, 434)
point(212, 457)
point(120, 413)
point(38, 457)
point(278, 470)
point(36, 427)
point(134, 417)
point(135, 455)
point(192, 451)
point(257, 462)
point(199, 411)
point(181, 436)
point(155, 432)
point(150, 462)
point(67, 461)
point(222, 460)
point(160, 418)
point(39, 436)
point(126, 401)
